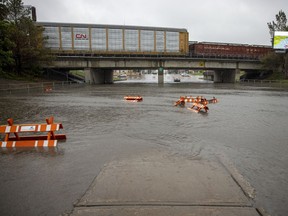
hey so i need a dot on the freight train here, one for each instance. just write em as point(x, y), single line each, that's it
point(67, 38)
point(227, 50)
point(121, 40)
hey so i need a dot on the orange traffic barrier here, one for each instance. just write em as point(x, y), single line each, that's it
point(48, 89)
point(49, 140)
point(133, 98)
point(213, 100)
point(197, 107)
point(198, 103)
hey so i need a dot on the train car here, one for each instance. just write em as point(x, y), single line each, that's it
point(90, 39)
point(227, 50)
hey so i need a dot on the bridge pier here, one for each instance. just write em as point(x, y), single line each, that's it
point(160, 75)
point(98, 76)
point(237, 75)
point(225, 76)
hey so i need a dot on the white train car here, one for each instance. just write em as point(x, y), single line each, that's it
point(90, 39)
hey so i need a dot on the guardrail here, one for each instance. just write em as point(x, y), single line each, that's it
point(262, 81)
point(276, 83)
point(34, 87)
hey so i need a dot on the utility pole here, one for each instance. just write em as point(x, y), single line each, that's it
point(286, 64)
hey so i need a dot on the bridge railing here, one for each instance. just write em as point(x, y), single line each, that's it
point(221, 56)
point(14, 88)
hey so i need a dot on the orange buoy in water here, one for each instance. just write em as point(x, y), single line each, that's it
point(133, 98)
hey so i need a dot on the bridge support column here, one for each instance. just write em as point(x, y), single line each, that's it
point(98, 76)
point(237, 75)
point(160, 75)
point(88, 75)
point(224, 76)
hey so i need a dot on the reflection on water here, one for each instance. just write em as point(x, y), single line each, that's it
point(45, 151)
point(168, 78)
point(248, 127)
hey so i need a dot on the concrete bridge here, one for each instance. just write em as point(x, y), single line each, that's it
point(99, 70)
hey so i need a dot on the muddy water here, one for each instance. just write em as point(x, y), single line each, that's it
point(248, 127)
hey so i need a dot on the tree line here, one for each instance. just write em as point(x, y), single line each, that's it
point(22, 46)
point(21, 41)
point(277, 62)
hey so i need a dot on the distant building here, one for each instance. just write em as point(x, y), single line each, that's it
point(31, 10)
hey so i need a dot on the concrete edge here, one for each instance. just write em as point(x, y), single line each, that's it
point(239, 179)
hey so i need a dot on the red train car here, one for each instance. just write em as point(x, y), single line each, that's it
point(227, 50)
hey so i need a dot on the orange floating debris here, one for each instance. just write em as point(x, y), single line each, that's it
point(133, 98)
point(49, 140)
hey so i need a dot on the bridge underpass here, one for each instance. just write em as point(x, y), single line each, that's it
point(99, 70)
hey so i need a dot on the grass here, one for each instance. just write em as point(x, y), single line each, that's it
point(79, 73)
point(23, 77)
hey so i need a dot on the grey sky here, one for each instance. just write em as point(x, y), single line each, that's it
point(234, 21)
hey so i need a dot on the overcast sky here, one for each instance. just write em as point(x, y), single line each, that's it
point(234, 21)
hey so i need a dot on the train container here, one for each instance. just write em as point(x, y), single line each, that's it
point(227, 50)
point(86, 39)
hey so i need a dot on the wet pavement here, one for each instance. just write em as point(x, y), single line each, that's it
point(166, 210)
point(142, 184)
point(246, 129)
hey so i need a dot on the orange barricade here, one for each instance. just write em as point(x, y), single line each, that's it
point(48, 89)
point(197, 107)
point(133, 98)
point(198, 103)
point(49, 140)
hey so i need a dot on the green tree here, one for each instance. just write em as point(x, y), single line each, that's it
point(277, 62)
point(6, 46)
point(274, 62)
point(28, 50)
point(279, 25)
point(3, 11)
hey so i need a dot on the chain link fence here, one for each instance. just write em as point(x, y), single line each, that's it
point(15, 88)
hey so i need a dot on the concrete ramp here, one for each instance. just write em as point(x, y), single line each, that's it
point(164, 185)
point(165, 211)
